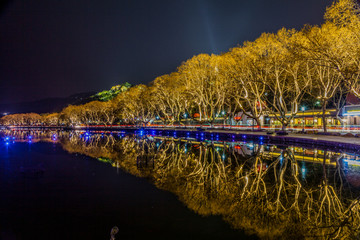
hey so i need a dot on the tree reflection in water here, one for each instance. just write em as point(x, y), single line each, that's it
point(261, 189)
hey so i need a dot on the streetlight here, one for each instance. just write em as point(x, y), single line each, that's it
point(223, 114)
point(316, 104)
point(303, 110)
point(185, 116)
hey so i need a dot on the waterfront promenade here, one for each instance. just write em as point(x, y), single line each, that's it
point(345, 140)
point(342, 139)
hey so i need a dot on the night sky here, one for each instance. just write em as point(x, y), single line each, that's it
point(55, 48)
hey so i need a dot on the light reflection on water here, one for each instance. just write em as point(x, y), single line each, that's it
point(274, 191)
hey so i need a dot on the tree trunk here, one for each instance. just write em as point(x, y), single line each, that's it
point(323, 116)
point(258, 123)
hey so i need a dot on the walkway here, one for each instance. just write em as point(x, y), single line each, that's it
point(308, 139)
point(313, 137)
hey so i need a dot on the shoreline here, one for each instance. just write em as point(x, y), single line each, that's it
point(327, 141)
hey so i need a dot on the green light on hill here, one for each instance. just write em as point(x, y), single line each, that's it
point(105, 160)
point(107, 95)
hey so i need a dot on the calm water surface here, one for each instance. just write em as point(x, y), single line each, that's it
point(78, 185)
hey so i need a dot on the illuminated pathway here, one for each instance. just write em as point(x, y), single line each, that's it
point(339, 141)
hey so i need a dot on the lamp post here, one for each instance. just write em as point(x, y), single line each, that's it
point(223, 115)
point(303, 110)
point(316, 104)
point(185, 116)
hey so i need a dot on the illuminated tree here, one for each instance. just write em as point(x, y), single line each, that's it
point(133, 105)
point(92, 112)
point(247, 81)
point(25, 119)
point(333, 51)
point(169, 97)
point(51, 119)
point(287, 78)
point(108, 112)
point(205, 83)
point(8, 120)
point(345, 46)
point(325, 79)
point(72, 115)
point(337, 42)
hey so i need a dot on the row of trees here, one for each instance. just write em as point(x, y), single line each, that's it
point(272, 75)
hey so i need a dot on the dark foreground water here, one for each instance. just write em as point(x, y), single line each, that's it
point(78, 185)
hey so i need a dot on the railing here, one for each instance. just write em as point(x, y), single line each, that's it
point(307, 128)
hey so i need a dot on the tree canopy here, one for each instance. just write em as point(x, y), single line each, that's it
point(272, 75)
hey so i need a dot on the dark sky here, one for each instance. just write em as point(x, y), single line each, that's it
point(61, 47)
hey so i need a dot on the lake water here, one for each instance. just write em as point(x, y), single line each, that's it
point(78, 185)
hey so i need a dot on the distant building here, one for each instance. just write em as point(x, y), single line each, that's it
point(351, 111)
point(348, 116)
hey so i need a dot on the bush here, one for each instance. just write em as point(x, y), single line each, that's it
point(349, 135)
point(281, 133)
